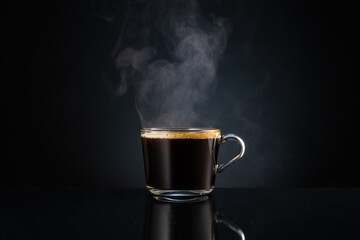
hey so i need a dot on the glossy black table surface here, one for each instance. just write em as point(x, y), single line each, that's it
point(79, 213)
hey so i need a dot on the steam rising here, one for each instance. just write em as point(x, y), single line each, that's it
point(172, 86)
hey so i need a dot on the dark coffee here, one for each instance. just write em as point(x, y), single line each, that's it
point(183, 161)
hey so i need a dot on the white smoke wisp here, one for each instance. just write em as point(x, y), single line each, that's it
point(170, 91)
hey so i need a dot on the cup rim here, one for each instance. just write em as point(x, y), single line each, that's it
point(170, 129)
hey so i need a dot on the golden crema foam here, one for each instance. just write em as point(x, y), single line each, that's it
point(181, 135)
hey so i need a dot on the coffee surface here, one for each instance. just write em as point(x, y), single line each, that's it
point(214, 133)
point(181, 161)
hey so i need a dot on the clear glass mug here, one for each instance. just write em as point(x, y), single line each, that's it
point(182, 162)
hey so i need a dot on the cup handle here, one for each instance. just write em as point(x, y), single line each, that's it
point(222, 219)
point(231, 137)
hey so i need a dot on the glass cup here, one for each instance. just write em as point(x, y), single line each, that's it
point(181, 163)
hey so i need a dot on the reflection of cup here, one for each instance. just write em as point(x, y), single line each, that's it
point(189, 220)
point(182, 162)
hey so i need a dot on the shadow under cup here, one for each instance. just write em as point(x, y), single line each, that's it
point(182, 163)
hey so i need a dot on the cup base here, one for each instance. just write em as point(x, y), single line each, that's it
point(179, 195)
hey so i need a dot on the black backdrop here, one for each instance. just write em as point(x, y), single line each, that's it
point(285, 85)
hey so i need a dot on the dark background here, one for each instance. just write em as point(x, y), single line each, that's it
point(286, 85)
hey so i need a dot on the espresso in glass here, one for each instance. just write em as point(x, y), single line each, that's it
point(182, 162)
